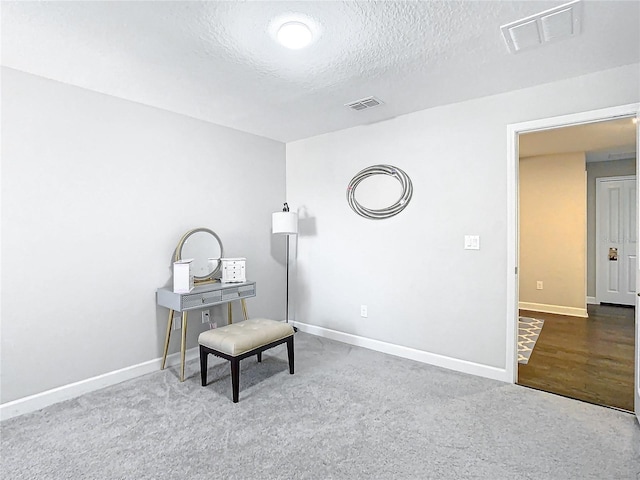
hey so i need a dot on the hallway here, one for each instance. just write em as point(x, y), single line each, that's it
point(587, 359)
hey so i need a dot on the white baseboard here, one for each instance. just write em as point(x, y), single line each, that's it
point(66, 392)
point(557, 309)
point(410, 353)
point(592, 301)
point(41, 400)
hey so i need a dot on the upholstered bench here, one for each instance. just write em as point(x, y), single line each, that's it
point(241, 340)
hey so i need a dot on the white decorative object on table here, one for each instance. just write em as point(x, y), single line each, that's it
point(234, 270)
point(183, 276)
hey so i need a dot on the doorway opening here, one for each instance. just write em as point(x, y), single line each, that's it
point(584, 348)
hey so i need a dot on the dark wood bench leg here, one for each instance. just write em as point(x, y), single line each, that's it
point(235, 378)
point(203, 366)
point(235, 362)
point(290, 353)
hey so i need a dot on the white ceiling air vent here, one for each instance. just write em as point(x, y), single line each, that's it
point(364, 103)
point(553, 24)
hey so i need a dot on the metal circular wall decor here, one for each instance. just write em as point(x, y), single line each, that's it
point(387, 212)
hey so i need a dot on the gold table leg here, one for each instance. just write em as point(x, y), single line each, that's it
point(244, 309)
point(184, 344)
point(166, 341)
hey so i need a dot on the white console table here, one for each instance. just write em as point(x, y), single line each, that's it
point(201, 297)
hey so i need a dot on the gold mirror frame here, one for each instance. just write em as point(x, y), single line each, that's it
point(178, 254)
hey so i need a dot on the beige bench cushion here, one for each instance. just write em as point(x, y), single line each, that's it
point(242, 337)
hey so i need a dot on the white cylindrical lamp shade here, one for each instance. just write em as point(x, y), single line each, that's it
point(285, 223)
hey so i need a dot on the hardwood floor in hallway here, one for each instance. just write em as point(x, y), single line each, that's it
point(588, 359)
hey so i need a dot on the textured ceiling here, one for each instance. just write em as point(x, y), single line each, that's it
point(217, 61)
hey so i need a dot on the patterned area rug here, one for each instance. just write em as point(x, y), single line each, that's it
point(528, 332)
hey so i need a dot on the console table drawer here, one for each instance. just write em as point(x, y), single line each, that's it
point(204, 296)
point(195, 300)
point(238, 292)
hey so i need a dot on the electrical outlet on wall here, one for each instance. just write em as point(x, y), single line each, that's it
point(472, 242)
point(177, 322)
point(206, 316)
point(539, 285)
point(364, 311)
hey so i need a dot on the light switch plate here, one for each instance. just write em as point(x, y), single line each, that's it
point(472, 242)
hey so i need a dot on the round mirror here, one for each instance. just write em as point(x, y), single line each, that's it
point(205, 248)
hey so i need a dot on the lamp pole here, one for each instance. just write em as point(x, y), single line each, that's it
point(285, 223)
point(286, 313)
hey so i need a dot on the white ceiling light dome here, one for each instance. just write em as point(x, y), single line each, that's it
point(294, 35)
point(294, 31)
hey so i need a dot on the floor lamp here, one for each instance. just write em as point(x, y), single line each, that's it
point(285, 223)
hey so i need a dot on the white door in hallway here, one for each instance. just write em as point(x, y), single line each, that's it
point(616, 240)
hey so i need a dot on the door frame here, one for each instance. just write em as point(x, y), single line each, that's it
point(513, 131)
point(599, 242)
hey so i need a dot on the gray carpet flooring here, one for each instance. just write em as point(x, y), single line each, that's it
point(347, 413)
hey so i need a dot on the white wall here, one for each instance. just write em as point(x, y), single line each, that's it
point(96, 192)
point(442, 300)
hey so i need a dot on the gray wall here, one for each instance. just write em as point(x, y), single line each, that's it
point(598, 170)
point(96, 192)
point(423, 290)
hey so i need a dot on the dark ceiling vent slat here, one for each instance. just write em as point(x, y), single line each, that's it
point(364, 103)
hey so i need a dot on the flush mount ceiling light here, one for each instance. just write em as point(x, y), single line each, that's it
point(294, 35)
